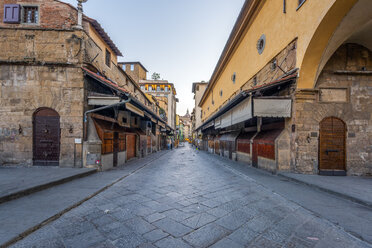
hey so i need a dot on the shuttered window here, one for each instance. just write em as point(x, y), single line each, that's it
point(11, 13)
point(108, 143)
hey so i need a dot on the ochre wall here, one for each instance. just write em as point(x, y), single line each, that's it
point(280, 29)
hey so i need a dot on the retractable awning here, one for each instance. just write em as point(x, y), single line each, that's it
point(272, 107)
point(239, 113)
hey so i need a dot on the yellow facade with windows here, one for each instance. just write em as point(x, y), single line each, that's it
point(312, 24)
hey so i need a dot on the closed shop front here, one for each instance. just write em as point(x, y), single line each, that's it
point(228, 144)
point(243, 147)
point(131, 146)
point(263, 150)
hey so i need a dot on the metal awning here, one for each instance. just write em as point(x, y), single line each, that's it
point(272, 107)
point(102, 100)
point(230, 136)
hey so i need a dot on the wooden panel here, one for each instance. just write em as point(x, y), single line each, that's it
point(122, 146)
point(244, 146)
point(217, 146)
point(46, 137)
point(131, 146)
point(108, 143)
point(332, 153)
point(266, 151)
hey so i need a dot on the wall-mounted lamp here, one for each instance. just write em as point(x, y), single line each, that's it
point(20, 130)
point(71, 129)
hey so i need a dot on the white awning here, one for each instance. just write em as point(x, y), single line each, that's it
point(217, 123)
point(226, 119)
point(272, 107)
point(134, 109)
point(210, 124)
point(242, 112)
point(103, 100)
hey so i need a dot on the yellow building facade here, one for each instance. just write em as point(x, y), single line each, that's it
point(303, 48)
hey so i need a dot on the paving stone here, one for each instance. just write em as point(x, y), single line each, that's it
point(227, 243)
point(243, 236)
point(211, 203)
point(122, 214)
point(172, 242)
point(154, 217)
point(103, 220)
point(138, 225)
point(86, 239)
point(177, 215)
point(130, 241)
point(172, 227)
point(41, 243)
point(206, 235)
point(147, 245)
point(259, 224)
point(263, 242)
point(218, 212)
point(71, 230)
point(234, 220)
point(155, 235)
point(199, 220)
point(104, 244)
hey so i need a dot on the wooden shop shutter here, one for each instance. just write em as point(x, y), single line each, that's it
point(108, 143)
point(122, 146)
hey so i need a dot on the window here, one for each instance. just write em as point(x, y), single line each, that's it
point(300, 3)
point(261, 44)
point(233, 78)
point(132, 67)
point(142, 87)
point(108, 58)
point(166, 89)
point(221, 92)
point(124, 67)
point(11, 13)
point(157, 88)
point(30, 14)
point(150, 88)
point(254, 81)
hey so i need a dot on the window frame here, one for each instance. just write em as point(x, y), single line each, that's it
point(23, 6)
point(132, 67)
point(108, 58)
point(300, 4)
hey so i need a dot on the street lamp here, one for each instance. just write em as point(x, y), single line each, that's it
point(80, 13)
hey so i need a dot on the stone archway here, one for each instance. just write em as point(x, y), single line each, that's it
point(46, 137)
point(344, 20)
point(332, 147)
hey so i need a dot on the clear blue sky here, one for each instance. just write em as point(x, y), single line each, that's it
point(180, 39)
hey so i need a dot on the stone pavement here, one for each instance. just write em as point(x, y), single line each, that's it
point(19, 181)
point(358, 189)
point(21, 216)
point(186, 199)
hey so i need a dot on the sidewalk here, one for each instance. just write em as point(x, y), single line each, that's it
point(16, 182)
point(23, 216)
point(357, 189)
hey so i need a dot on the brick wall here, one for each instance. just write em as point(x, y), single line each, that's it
point(52, 14)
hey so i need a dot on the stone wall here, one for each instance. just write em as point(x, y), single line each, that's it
point(350, 70)
point(24, 89)
point(52, 14)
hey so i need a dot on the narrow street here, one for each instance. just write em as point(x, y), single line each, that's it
point(187, 198)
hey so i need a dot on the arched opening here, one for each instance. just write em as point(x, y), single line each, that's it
point(332, 147)
point(348, 21)
point(46, 137)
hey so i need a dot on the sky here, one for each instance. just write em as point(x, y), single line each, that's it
point(180, 39)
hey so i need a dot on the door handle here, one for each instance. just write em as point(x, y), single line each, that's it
point(331, 150)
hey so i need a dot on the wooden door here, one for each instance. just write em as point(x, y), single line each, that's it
point(131, 146)
point(115, 149)
point(46, 137)
point(332, 152)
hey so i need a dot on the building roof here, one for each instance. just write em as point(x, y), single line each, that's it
point(104, 35)
point(197, 83)
point(131, 63)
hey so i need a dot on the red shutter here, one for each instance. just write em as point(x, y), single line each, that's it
point(11, 13)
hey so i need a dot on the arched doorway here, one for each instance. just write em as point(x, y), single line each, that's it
point(332, 150)
point(46, 137)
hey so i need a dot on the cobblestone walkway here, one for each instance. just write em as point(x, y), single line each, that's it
point(184, 200)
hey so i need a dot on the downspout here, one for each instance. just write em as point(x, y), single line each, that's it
point(99, 109)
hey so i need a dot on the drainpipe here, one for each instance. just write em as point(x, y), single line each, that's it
point(99, 109)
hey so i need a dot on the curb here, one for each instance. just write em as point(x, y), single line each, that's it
point(59, 214)
point(345, 196)
point(37, 188)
